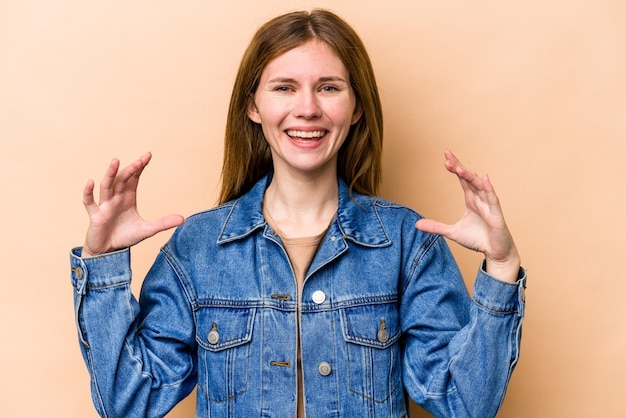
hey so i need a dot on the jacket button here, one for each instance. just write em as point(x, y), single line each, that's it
point(383, 334)
point(324, 368)
point(78, 271)
point(214, 336)
point(318, 297)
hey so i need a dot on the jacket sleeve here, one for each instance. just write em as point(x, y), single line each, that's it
point(140, 355)
point(459, 352)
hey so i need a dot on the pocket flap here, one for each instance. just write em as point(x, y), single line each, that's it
point(374, 326)
point(222, 328)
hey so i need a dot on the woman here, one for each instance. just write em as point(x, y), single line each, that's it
point(301, 293)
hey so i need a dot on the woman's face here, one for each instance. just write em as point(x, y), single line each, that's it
point(305, 105)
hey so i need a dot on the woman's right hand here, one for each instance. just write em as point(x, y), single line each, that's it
point(114, 222)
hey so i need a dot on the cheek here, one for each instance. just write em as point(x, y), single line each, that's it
point(347, 105)
point(344, 114)
point(271, 113)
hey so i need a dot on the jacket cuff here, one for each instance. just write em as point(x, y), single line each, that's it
point(498, 296)
point(105, 270)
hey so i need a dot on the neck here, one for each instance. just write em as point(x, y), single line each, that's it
point(301, 207)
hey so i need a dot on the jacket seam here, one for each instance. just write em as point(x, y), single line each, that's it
point(420, 253)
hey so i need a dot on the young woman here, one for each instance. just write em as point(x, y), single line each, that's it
point(301, 294)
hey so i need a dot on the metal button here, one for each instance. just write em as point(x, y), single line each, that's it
point(383, 334)
point(324, 368)
point(214, 336)
point(78, 271)
point(318, 297)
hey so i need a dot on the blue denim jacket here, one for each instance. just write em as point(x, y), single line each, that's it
point(384, 312)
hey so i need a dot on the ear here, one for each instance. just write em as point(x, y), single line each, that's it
point(358, 112)
point(252, 111)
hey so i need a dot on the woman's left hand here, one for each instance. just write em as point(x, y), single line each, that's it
point(482, 227)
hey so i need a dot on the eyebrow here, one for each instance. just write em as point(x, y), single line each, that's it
point(293, 80)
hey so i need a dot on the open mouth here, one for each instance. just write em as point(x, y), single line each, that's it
point(306, 136)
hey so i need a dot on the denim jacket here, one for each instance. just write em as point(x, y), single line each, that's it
point(384, 313)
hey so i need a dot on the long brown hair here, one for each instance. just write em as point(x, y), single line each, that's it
point(247, 155)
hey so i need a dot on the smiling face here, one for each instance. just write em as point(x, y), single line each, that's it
point(305, 105)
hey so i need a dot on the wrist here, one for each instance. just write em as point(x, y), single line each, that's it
point(504, 270)
point(85, 252)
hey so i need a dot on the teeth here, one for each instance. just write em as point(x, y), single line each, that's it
point(306, 134)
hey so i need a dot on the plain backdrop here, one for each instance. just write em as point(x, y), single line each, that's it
point(531, 92)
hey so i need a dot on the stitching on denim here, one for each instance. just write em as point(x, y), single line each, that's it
point(495, 312)
point(95, 388)
point(367, 301)
point(515, 353)
point(244, 389)
point(335, 345)
point(233, 342)
point(183, 279)
point(370, 398)
point(106, 286)
point(416, 261)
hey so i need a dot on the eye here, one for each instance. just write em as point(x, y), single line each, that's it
point(283, 89)
point(329, 89)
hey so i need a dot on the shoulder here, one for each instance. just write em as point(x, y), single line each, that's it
point(210, 217)
point(200, 229)
point(369, 219)
point(388, 209)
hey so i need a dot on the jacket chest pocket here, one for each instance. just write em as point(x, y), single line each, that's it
point(371, 333)
point(223, 336)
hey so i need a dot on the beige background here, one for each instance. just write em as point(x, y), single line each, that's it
point(531, 92)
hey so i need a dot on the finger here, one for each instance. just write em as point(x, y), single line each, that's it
point(492, 197)
point(129, 176)
point(108, 181)
point(164, 224)
point(464, 174)
point(433, 227)
point(451, 162)
point(145, 160)
point(455, 166)
point(489, 190)
point(88, 199)
point(449, 155)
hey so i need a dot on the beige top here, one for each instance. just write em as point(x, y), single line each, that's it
point(300, 252)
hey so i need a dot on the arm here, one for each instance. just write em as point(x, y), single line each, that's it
point(459, 352)
point(140, 355)
point(140, 361)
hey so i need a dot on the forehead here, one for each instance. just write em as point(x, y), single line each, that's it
point(312, 58)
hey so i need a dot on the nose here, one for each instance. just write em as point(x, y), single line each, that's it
point(307, 105)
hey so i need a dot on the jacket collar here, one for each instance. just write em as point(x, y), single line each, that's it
point(357, 217)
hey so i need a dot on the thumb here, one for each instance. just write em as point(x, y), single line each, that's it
point(434, 227)
point(164, 224)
